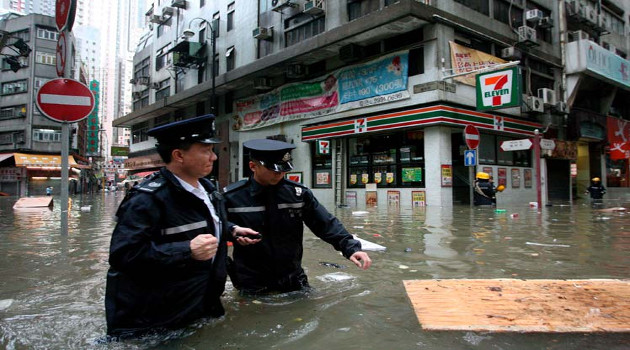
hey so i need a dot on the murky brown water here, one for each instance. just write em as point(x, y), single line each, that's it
point(52, 286)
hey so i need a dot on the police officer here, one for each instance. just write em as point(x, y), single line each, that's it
point(483, 190)
point(167, 254)
point(267, 214)
point(596, 190)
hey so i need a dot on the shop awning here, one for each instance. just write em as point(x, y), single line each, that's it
point(44, 160)
point(5, 156)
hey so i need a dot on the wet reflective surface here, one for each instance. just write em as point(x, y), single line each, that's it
point(52, 286)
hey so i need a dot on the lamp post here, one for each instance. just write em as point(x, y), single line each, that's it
point(188, 33)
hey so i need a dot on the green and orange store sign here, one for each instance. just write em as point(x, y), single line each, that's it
point(421, 117)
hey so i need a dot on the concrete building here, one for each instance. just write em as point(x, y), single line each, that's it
point(364, 89)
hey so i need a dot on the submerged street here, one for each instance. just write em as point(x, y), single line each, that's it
point(52, 286)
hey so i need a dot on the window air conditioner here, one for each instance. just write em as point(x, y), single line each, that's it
point(578, 35)
point(534, 104)
point(547, 95)
point(157, 19)
point(591, 15)
point(527, 36)
point(562, 107)
point(136, 95)
point(511, 53)
point(179, 4)
point(132, 81)
point(143, 80)
point(534, 15)
point(167, 11)
point(155, 86)
point(314, 7)
point(262, 33)
point(545, 22)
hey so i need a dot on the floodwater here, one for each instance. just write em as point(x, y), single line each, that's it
point(52, 286)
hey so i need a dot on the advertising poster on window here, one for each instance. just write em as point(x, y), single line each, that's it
point(393, 198)
point(371, 198)
point(389, 177)
point(411, 175)
point(527, 178)
point(379, 81)
point(322, 178)
point(447, 175)
point(351, 198)
point(502, 174)
point(295, 177)
point(418, 198)
point(378, 178)
point(488, 170)
point(365, 178)
point(516, 177)
point(353, 179)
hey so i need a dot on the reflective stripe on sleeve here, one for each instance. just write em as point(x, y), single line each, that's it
point(246, 209)
point(290, 205)
point(184, 228)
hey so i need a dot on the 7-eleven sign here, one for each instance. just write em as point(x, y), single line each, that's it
point(499, 89)
point(360, 125)
point(323, 147)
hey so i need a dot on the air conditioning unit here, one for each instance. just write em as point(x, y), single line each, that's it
point(179, 4)
point(350, 53)
point(545, 22)
point(527, 36)
point(157, 19)
point(143, 80)
point(562, 107)
point(578, 35)
point(262, 83)
point(315, 7)
point(262, 33)
point(167, 11)
point(296, 71)
point(511, 53)
point(155, 86)
point(132, 81)
point(136, 95)
point(535, 104)
point(591, 15)
point(534, 16)
point(603, 24)
point(575, 9)
point(548, 96)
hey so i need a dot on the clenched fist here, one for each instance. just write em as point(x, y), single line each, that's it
point(204, 247)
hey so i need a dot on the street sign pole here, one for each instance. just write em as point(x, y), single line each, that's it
point(537, 162)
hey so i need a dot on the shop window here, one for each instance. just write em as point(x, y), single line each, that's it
point(322, 169)
point(490, 152)
point(506, 12)
point(139, 132)
point(395, 160)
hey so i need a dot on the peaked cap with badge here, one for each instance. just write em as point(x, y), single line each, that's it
point(198, 129)
point(272, 154)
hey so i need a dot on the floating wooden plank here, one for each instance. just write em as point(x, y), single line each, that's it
point(33, 202)
point(510, 305)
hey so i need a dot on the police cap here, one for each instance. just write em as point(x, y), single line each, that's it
point(199, 129)
point(272, 154)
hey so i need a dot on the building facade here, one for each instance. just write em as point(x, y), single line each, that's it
point(373, 92)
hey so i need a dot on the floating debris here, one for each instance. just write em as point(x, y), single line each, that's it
point(360, 212)
point(548, 245)
point(329, 264)
point(407, 250)
point(404, 267)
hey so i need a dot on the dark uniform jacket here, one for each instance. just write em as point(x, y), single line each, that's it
point(279, 213)
point(484, 193)
point(597, 191)
point(153, 282)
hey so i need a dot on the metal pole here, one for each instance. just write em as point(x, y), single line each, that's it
point(214, 49)
point(537, 162)
point(65, 145)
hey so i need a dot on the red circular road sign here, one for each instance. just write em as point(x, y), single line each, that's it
point(471, 135)
point(64, 14)
point(65, 100)
point(60, 63)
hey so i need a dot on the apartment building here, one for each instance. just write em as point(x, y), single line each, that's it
point(373, 92)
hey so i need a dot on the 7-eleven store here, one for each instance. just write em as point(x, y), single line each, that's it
point(416, 157)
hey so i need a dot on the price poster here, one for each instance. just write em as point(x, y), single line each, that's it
point(447, 175)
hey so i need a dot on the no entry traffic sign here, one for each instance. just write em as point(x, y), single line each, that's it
point(471, 136)
point(65, 100)
point(64, 14)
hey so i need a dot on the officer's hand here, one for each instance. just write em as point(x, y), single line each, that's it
point(361, 259)
point(245, 235)
point(204, 247)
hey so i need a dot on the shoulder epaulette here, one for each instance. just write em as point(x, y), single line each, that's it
point(234, 186)
point(152, 183)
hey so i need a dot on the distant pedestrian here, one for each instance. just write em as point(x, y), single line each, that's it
point(483, 190)
point(49, 190)
point(596, 190)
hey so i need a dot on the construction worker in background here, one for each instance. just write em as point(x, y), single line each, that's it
point(596, 190)
point(483, 190)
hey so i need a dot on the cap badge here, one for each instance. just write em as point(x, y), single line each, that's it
point(286, 157)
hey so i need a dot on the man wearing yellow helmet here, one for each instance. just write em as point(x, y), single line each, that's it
point(596, 190)
point(484, 191)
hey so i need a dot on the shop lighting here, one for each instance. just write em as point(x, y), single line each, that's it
point(39, 178)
